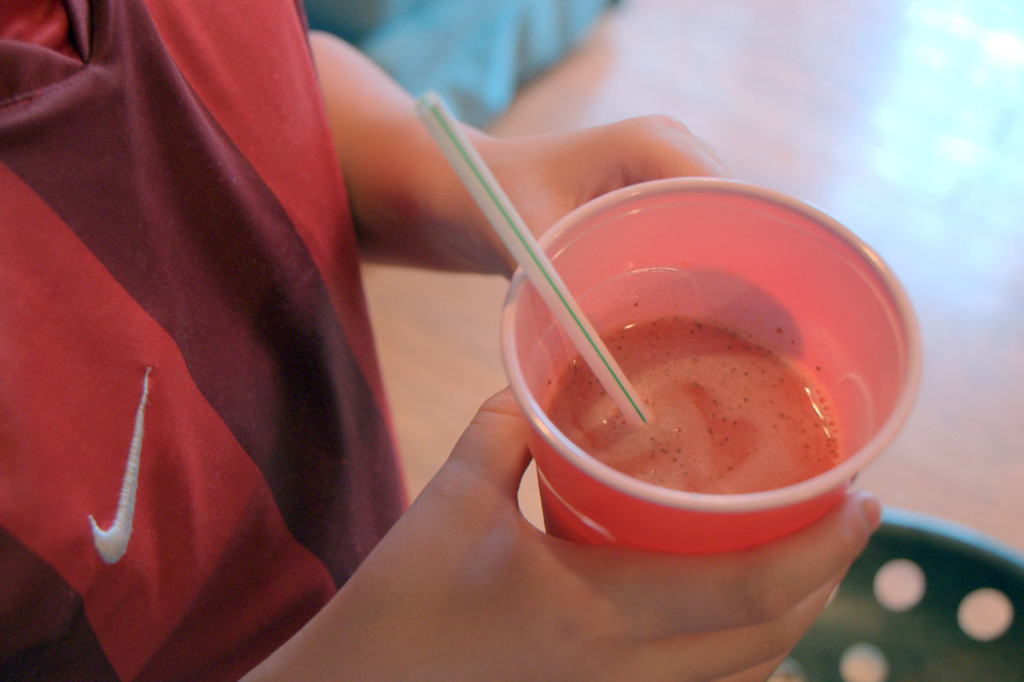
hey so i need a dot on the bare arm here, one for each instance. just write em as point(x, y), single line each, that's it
point(409, 206)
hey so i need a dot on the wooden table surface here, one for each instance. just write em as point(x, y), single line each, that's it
point(904, 120)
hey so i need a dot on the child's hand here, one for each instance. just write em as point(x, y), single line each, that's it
point(407, 203)
point(546, 176)
point(464, 588)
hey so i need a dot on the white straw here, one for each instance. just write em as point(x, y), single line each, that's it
point(505, 220)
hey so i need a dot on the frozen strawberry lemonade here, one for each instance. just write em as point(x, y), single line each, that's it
point(725, 414)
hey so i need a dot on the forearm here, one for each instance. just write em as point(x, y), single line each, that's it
point(407, 203)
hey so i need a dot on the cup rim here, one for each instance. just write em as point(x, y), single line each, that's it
point(838, 476)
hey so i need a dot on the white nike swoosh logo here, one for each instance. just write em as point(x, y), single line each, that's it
point(113, 542)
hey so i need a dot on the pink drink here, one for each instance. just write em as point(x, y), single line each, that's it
point(726, 415)
point(750, 259)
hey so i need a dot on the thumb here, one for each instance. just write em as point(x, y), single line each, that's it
point(493, 446)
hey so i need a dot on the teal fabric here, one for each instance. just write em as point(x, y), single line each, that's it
point(475, 53)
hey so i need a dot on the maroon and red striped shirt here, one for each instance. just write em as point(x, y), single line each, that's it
point(170, 199)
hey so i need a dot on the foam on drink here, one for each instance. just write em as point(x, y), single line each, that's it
point(725, 413)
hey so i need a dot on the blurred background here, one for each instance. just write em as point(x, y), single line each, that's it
point(903, 119)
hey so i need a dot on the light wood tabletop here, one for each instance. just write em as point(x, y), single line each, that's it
point(903, 120)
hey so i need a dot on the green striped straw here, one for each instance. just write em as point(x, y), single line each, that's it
point(505, 220)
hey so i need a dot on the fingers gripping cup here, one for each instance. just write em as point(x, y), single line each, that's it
point(744, 282)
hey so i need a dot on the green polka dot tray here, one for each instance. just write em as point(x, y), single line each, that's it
point(927, 601)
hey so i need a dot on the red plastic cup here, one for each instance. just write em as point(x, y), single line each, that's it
point(747, 258)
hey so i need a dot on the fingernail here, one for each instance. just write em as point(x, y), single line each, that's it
point(871, 509)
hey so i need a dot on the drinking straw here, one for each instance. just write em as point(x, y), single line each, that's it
point(505, 220)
